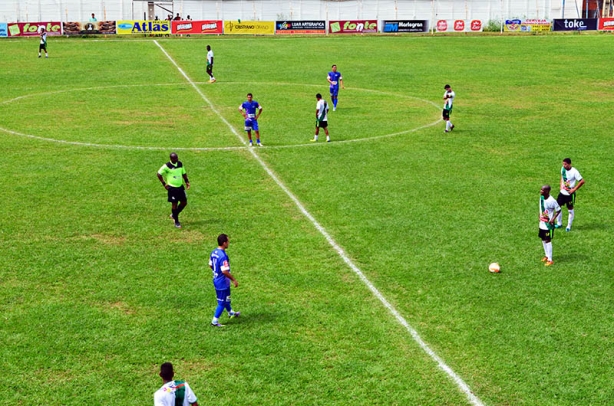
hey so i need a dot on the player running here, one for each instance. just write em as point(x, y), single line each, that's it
point(43, 42)
point(321, 118)
point(220, 265)
point(448, 97)
point(335, 79)
point(248, 110)
point(210, 64)
point(549, 209)
point(567, 196)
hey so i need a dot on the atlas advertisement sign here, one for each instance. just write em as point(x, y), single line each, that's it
point(527, 25)
point(96, 27)
point(575, 24)
point(405, 26)
point(353, 27)
point(249, 27)
point(31, 29)
point(198, 27)
point(605, 24)
point(125, 27)
point(459, 26)
point(4, 30)
point(300, 27)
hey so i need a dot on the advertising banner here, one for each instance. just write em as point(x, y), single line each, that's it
point(605, 24)
point(4, 30)
point(249, 27)
point(98, 27)
point(459, 26)
point(198, 27)
point(575, 24)
point(31, 29)
point(405, 26)
point(353, 27)
point(300, 27)
point(527, 25)
point(143, 27)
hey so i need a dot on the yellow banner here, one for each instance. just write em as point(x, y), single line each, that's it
point(143, 27)
point(249, 27)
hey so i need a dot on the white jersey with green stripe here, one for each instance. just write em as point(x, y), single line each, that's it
point(450, 99)
point(322, 108)
point(569, 179)
point(174, 393)
point(547, 208)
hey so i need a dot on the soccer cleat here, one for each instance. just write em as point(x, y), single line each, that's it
point(313, 140)
point(558, 226)
point(327, 140)
point(251, 144)
point(235, 314)
point(212, 81)
point(451, 127)
point(177, 224)
point(259, 144)
point(544, 259)
point(334, 108)
point(39, 56)
point(568, 229)
point(446, 131)
point(216, 325)
point(549, 263)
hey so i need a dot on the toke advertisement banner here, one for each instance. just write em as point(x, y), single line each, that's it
point(300, 27)
point(459, 26)
point(605, 24)
point(575, 24)
point(125, 27)
point(31, 29)
point(97, 27)
point(353, 27)
point(239, 27)
point(405, 26)
point(198, 27)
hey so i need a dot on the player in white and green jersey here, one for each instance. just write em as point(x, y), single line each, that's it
point(448, 98)
point(321, 118)
point(43, 42)
point(210, 64)
point(173, 392)
point(571, 180)
point(549, 209)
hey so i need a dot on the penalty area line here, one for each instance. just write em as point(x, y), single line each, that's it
point(460, 383)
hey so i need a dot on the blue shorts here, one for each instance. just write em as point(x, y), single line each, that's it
point(251, 124)
point(223, 296)
point(334, 90)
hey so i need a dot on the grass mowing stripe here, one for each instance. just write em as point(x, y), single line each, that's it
point(473, 399)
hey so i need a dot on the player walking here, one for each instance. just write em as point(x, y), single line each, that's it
point(43, 42)
point(549, 209)
point(567, 196)
point(321, 118)
point(210, 64)
point(220, 265)
point(172, 175)
point(335, 79)
point(448, 98)
point(248, 109)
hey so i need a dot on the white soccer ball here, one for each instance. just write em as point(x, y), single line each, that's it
point(494, 267)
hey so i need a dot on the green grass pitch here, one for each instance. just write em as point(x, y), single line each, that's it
point(97, 288)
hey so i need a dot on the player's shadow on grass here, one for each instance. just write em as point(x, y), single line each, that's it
point(592, 226)
point(255, 318)
point(572, 258)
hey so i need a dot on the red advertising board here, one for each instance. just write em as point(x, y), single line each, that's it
point(353, 27)
point(459, 26)
point(606, 24)
point(31, 29)
point(198, 27)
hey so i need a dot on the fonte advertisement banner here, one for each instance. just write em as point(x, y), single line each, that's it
point(125, 27)
point(300, 27)
point(97, 27)
point(527, 25)
point(606, 24)
point(459, 26)
point(31, 29)
point(249, 27)
point(405, 26)
point(575, 24)
point(4, 30)
point(198, 27)
point(353, 27)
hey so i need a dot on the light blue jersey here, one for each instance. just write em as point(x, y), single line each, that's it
point(218, 261)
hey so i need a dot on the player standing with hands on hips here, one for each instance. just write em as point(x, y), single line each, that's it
point(448, 98)
point(220, 265)
point(335, 79)
point(549, 209)
point(567, 196)
point(172, 175)
point(248, 111)
point(210, 64)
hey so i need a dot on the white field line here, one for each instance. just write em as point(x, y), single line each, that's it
point(473, 399)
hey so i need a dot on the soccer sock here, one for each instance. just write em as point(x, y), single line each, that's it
point(327, 138)
point(180, 209)
point(334, 102)
point(559, 218)
point(545, 249)
point(228, 308)
point(570, 219)
point(218, 311)
point(175, 214)
point(548, 247)
point(315, 137)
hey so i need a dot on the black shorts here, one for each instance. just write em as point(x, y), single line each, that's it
point(42, 47)
point(177, 194)
point(321, 124)
point(209, 69)
point(566, 199)
point(546, 235)
point(446, 114)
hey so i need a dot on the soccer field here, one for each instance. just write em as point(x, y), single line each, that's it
point(98, 288)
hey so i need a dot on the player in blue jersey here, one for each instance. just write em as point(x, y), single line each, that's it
point(335, 79)
point(251, 110)
point(220, 265)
